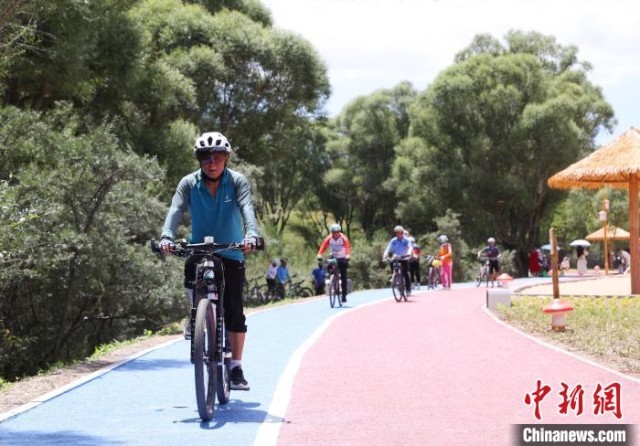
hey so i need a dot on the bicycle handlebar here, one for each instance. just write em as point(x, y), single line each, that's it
point(183, 249)
point(395, 258)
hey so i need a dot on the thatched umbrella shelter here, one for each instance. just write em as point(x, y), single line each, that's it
point(616, 164)
point(613, 233)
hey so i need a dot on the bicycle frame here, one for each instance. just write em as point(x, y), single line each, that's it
point(433, 272)
point(483, 273)
point(433, 277)
point(204, 287)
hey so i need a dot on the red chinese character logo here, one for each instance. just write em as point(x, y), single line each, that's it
point(571, 400)
point(607, 399)
point(538, 395)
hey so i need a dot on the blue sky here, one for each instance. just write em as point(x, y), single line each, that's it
point(373, 44)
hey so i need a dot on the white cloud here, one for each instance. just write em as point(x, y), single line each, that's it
point(372, 44)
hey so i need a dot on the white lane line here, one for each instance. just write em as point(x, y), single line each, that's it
point(270, 428)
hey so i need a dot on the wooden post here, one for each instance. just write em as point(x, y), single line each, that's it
point(635, 233)
point(554, 264)
point(605, 225)
point(606, 250)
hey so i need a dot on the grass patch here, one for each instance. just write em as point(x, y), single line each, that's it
point(105, 349)
point(606, 329)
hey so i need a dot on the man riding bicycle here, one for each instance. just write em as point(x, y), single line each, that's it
point(492, 253)
point(401, 247)
point(218, 200)
point(341, 251)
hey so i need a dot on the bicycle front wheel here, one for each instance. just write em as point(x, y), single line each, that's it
point(256, 295)
point(332, 294)
point(397, 287)
point(480, 278)
point(485, 277)
point(264, 293)
point(205, 367)
point(336, 286)
point(305, 292)
point(433, 278)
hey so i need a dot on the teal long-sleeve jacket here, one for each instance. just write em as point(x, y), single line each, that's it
point(228, 216)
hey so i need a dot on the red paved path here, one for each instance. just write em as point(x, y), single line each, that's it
point(434, 371)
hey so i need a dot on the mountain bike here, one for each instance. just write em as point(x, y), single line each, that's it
point(398, 284)
point(483, 273)
point(255, 294)
point(292, 290)
point(297, 289)
point(335, 291)
point(433, 272)
point(210, 347)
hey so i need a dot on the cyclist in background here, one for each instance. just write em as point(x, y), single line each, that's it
point(341, 251)
point(218, 200)
point(414, 264)
point(492, 253)
point(271, 277)
point(401, 247)
point(445, 255)
point(282, 277)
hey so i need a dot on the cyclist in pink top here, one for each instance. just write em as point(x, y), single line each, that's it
point(341, 251)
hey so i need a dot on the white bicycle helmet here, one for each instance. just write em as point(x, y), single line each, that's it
point(210, 142)
point(335, 227)
point(398, 229)
point(491, 241)
point(443, 238)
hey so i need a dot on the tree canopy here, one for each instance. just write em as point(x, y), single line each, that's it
point(494, 126)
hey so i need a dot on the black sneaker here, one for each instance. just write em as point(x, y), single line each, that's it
point(344, 299)
point(237, 379)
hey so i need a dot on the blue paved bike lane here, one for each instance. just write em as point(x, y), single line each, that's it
point(151, 400)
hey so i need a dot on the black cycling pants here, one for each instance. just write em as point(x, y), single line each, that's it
point(414, 269)
point(343, 265)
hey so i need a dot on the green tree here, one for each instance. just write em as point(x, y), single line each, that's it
point(75, 272)
point(261, 87)
point(368, 130)
point(16, 31)
point(288, 177)
point(79, 48)
point(495, 126)
point(254, 9)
